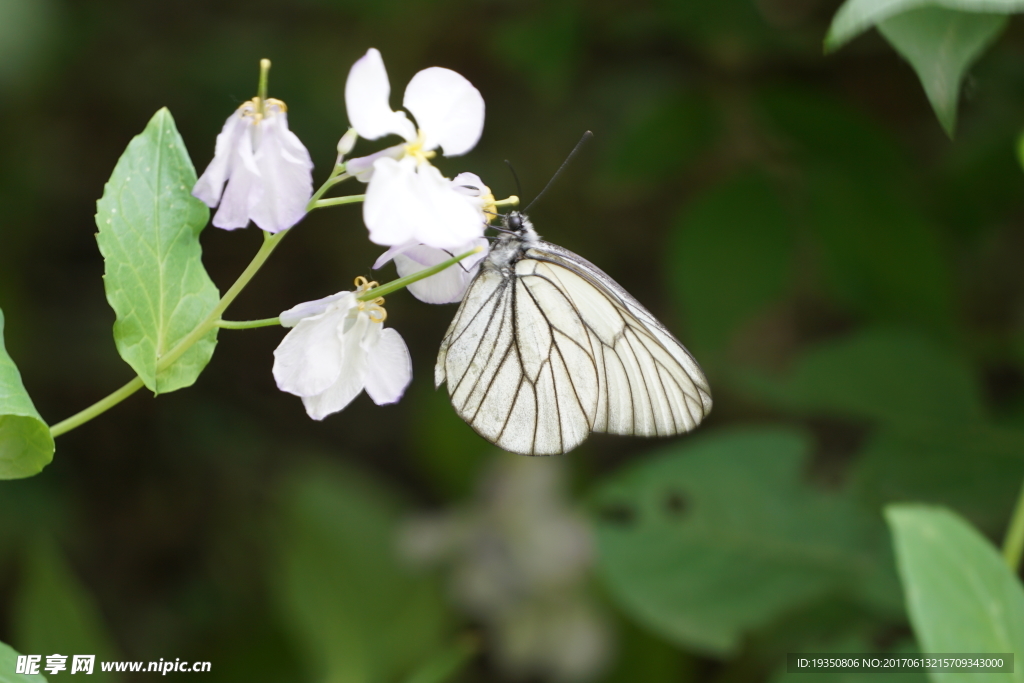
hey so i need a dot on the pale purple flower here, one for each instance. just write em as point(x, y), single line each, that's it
point(450, 284)
point(339, 346)
point(446, 287)
point(408, 200)
point(268, 171)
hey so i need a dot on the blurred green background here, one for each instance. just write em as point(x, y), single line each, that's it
point(849, 278)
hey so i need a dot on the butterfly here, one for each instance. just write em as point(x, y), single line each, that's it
point(546, 348)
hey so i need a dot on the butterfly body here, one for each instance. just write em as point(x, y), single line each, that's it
point(546, 348)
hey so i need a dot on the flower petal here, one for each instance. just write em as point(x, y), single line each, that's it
point(287, 173)
point(294, 315)
point(405, 202)
point(391, 253)
point(449, 111)
point(245, 185)
point(449, 221)
point(388, 368)
point(450, 284)
point(366, 98)
point(335, 398)
point(309, 359)
point(362, 167)
point(210, 185)
point(470, 184)
point(392, 205)
point(351, 375)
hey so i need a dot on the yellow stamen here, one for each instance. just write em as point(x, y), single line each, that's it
point(251, 108)
point(374, 308)
point(416, 151)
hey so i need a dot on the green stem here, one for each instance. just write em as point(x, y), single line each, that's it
point(213, 320)
point(201, 330)
point(1013, 544)
point(337, 175)
point(401, 282)
point(247, 324)
point(97, 408)
point(337, 201)
point(261, 91)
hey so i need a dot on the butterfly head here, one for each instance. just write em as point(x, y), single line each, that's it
point(516, 222)
point(517, 236)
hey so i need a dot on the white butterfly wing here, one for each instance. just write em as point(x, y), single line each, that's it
point(536, 361)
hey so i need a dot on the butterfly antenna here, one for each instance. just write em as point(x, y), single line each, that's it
point(519, 188)
point(586, 136)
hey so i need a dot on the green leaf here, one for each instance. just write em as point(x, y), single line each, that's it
point(730, 257)
point(54, 613)
point(9, 664)
point(941, 44)
point(26, 446)
point(445, 665)
point(358, 612)
point(857, 16)
point(719, 537)
point(960, 594)
point(974, 469)
point(888, 375)
point(149, 225)
point(880, 253)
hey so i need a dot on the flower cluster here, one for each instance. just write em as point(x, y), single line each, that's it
point(261, 172)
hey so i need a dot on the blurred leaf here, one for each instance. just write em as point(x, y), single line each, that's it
point(819, 129)
point(881, 254)
point(726, 28)
point(26, 446)
point(447, 663)
point(642, 656)
point(719, 536)
point(149, 225)
point(961, 596)
point(359, 614)
point(887, 375)
point(857, 16)
point(976, 470)
point(731, 256)
point(446, 449)
point(9, 664)
point(27, 30)
point(544, 47)
point(1020, 148)
point(941, 44)
point(657, 142)
point(54, 613)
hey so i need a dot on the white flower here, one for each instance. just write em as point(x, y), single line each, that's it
point(407, 198)
point(446, 287)
point(267, 169)
point(520, 558)
point(450, 284)
point(339, 347)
